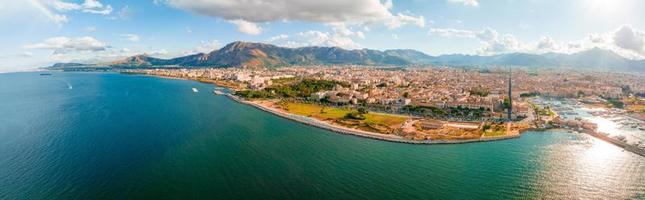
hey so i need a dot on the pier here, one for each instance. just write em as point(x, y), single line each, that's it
point(590, 128)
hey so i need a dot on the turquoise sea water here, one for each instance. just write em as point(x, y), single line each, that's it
point(113, 136)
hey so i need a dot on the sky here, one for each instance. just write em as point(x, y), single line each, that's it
point(37, 33)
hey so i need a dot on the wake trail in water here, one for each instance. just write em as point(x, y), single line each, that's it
point(69, 85)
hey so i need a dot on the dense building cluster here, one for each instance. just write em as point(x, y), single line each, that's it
point(432, 86)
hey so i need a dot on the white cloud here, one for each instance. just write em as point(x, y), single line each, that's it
point(502, 44)
point(90, 29)
point(629, 38)
point(264, 10)
point(597, 38)
point(343, 30)
point(547, 43)
point(88, 6)
point(246, 13)
point(277, 38)
point(130, 37)
point(466, 2)
point(59, 19)
point(64, 6)
point(492, 41)
point(340, 36)
point(625, 41)
point(246, 27)
point(158, 53)
point(401, 19)
point(62, 45)
point(204, 47)
point(450, 32)
point(53, 9)
point(208, 46)
point(124, 13)
point(44, 9)
point(317, 38)
point(106, 11)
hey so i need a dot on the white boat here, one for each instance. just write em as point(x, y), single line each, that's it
point(218, 92)
point(195, 90)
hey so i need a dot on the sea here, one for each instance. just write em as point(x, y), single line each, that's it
point(91, 135)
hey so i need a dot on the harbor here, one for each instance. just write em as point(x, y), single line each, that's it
point(610, 124)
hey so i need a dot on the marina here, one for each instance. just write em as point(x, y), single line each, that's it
point(613, 124)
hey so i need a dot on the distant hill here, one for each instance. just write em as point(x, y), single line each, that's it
point(140, 61)
point(64, 65)
point(260, 55)
point(593, 59)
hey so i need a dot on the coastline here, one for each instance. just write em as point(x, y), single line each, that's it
point(386, 137)
point(344, 130)
point(360, 133)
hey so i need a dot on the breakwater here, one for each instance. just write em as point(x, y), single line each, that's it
point(591, 129)
point(617, 142)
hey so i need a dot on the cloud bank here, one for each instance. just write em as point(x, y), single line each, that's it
point(88, 6)
point(625, 40)
point(246, 14)
point(63, 45)
point(466, 2)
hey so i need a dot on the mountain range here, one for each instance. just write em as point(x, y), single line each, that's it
point(260, 55)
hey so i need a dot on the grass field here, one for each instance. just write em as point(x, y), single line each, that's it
point(494, 133)
point(330, 113)
point(495, 130)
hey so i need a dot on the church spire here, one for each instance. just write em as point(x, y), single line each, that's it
point(510, 93)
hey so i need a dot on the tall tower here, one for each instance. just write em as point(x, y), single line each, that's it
point(510, 93)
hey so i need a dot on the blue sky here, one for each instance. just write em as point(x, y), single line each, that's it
point(41, 32)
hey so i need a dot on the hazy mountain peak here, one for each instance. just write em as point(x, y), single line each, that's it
point(260, 55)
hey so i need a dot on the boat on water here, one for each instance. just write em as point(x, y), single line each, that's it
point(217, 92)
point(195, 90)
point(45, 74)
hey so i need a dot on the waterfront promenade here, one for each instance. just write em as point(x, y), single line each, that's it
point(365, 134)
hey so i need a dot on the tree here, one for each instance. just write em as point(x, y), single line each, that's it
point(507, 103)
point(355, 115)
point(486, 127)
point(362, 110)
